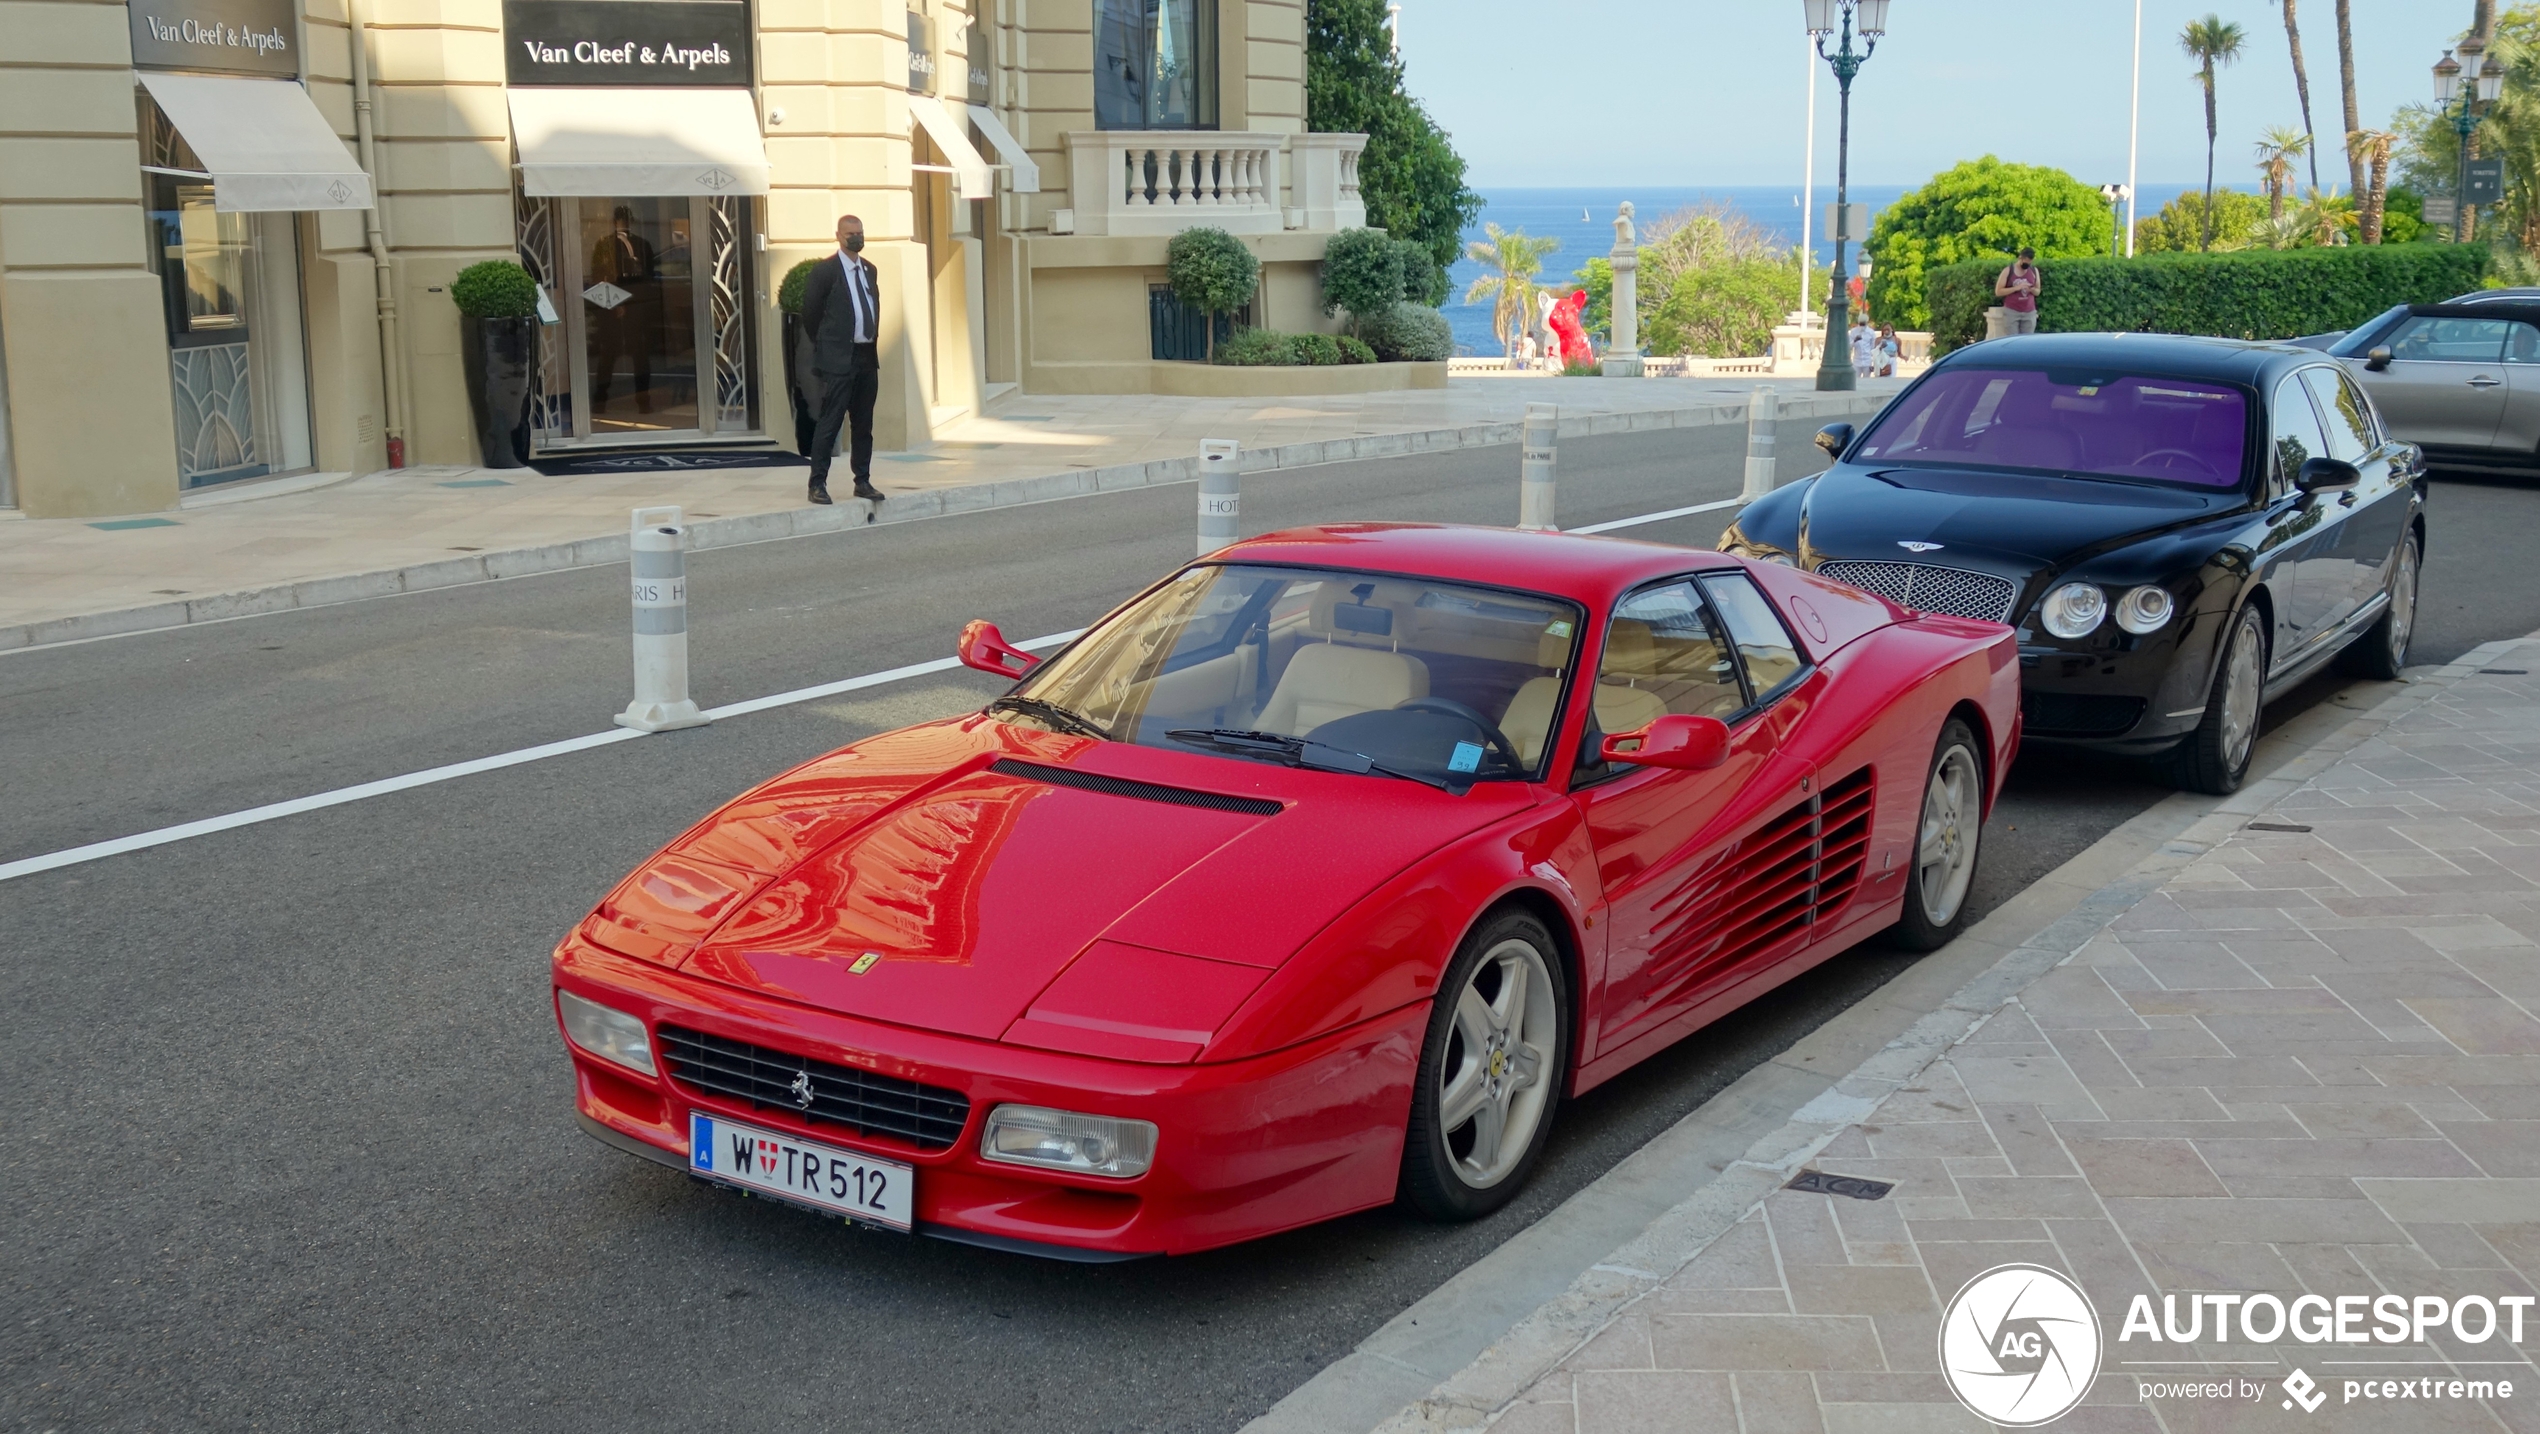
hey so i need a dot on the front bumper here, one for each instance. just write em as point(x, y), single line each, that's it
point(2115, 692)
point(1246, 1148)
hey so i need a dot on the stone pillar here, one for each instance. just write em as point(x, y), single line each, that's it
point(1622, 355)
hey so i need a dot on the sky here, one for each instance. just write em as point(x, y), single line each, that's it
point(1696, 92)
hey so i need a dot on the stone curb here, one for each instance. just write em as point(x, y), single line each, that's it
point(1471, 1398)
point(849, 516)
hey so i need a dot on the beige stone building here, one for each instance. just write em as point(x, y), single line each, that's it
point(228, 227)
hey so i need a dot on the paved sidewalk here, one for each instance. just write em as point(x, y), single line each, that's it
point(415, 527)
point(2303, 1062)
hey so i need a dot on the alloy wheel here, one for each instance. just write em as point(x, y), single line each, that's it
point(1946, 852)
point(2241, 685)
point(2403, 603)
point(1495, 1083)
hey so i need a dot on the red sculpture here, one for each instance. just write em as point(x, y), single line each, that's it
point(1564, 321)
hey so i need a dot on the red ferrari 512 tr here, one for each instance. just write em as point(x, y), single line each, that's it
point(1312, 878)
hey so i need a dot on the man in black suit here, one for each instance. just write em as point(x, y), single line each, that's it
point(842, 319)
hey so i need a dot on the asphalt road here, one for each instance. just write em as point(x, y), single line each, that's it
point(291, 1143)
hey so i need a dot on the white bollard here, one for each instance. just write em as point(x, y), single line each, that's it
point(657, 561)
point(1221, 497)
point(1763, 411)
point(1536, 456)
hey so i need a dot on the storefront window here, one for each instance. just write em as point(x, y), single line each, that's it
point(1155, 64)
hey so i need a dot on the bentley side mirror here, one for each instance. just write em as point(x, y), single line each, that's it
point(2324, 473)
point(1683, 744)
point(986, 649)
point(1834, 438)
point(2378, 359)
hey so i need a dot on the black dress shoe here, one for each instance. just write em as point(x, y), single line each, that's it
point(866, 490)
point(819, 492)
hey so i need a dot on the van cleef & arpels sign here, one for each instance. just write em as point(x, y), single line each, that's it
point(246, 37)
point(636, 43)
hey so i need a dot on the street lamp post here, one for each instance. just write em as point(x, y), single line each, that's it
point(2484, 83)
point(2117, 195)
point(1834, 366)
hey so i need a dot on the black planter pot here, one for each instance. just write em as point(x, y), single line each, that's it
point(498, 355)
point(798, 390)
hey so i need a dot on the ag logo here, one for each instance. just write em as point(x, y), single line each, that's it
point(2019, 1345)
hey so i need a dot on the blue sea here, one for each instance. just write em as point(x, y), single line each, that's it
point(1583, 220)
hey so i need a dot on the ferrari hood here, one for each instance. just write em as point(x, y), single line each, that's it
point(955, 900)
point(2006, 522)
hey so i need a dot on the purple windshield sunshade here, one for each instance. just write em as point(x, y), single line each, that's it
point(2163, 430)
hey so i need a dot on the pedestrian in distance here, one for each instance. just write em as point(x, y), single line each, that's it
point(2017, 287)
point(1865, 348)
point(842, 324)
point(1890, 351)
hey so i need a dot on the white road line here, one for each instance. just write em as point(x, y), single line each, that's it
point(1657, 517)
point(275, 811)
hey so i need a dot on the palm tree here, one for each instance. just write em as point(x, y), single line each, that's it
point(2276, 153)
point(1510, 259)
point(2209, 42)
point(2346, 84)
point(2326, 218)
point(2301, 86)
point(2371, 147)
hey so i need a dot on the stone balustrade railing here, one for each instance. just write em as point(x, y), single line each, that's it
point(1160, 182)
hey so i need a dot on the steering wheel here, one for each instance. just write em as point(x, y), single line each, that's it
point(1490, 730)
point(2195, 461)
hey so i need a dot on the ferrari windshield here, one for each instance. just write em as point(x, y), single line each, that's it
point(2134, 427)
point(1405, 676)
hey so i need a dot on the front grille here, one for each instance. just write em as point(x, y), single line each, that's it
point(2079, 714)
point(926, 1116)
point(1926, 588)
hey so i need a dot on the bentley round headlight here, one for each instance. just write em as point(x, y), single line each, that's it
point(2145, 610)
point(1784, 559)
point(2073, 610)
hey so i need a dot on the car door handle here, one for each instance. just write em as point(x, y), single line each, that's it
point(2483, 381)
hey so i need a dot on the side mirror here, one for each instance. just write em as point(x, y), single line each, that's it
point(2319, 473)
point(1683, 744)
point(1834, 438)
point(986, 649)
point(2378, 359)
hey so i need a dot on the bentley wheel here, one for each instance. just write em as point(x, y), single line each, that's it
point(2215, 757)
point(1490, 1072)
point(2382, 654)
point(1943, 864)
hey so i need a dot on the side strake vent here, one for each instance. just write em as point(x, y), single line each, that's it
point(1797, 870)
point(1142, 791)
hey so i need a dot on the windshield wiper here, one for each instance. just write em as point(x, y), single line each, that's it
point(1065, 719)
point(1300, 752)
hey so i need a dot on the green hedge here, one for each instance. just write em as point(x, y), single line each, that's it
point(2243, 294)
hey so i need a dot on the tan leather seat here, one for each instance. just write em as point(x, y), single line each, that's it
point(1631, 654)
point(1325, 682)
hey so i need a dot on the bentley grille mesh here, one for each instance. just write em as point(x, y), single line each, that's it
point(926, 1116)
point(1926, 588)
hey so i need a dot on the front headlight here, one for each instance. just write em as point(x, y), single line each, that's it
point(2145, 610)
point(1063, 1140)
point(611, 1035)
point(2073, 610)
point(1785, 559)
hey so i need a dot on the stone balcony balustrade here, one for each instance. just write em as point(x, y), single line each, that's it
point(1160, 182)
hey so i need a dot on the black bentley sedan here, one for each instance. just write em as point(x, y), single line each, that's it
point(2181, 529)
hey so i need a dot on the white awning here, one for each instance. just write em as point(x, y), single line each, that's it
point(263, 141)
point(1027, 174)
point(971, 179)
point(598, 141)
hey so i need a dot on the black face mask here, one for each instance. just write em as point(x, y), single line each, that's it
point(855, 243)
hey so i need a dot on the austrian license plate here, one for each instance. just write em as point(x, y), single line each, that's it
point(883, 1192)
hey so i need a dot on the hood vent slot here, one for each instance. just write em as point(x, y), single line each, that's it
point(1141, 791)
point(1795, 871)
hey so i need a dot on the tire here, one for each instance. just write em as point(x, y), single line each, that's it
point(1494, 1060)
point(1943, 865)
point(2215, 757)
point(2382, 653)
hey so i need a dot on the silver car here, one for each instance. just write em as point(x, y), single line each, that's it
point(2461, 380)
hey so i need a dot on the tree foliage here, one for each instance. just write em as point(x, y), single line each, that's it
point(1211, 270)
point(1510, 259)
point(1410, 333)
point(1362, 272)
point(1410, 175)
point(1725, 309)
point(495, 289)
point(2179, 227)
point(1979, 208)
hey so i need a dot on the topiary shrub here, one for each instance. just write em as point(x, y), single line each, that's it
point(1424, 279)
point(1355, 351)
point(1253, 348)
point(1315, 349)
point(1211, 271)
point(1409, 333)
point(797, 281)
point(1362, 273)
point(495, 289)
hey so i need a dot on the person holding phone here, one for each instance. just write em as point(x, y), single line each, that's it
point(2017, 287)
